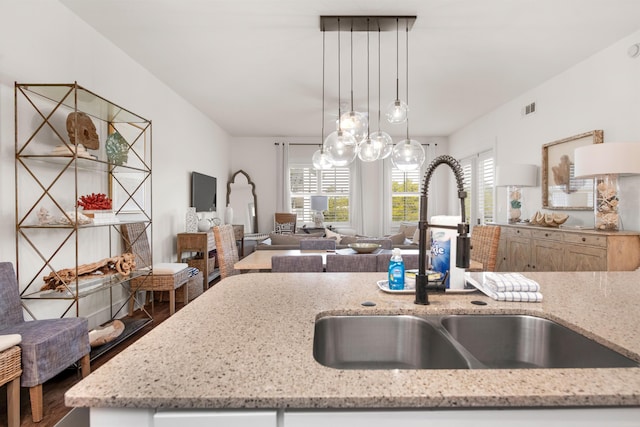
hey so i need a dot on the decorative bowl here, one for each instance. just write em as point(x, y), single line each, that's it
point(364, 248)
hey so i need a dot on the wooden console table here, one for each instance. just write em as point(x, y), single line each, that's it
point(535, 248)
point(202, 242)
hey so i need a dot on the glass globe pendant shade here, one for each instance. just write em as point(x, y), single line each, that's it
point(321, 160)
point(355, 123)
point(385, 142)
point(369, 150)
point(341, 148)
point(408, 155)
point(397, 112)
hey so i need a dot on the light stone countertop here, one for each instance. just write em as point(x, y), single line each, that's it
point(247, 343)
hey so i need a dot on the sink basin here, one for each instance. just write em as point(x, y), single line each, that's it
point(456, 342)
point(516, 341)
point(383, 342)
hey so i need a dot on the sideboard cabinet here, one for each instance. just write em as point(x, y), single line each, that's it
point(532, 248)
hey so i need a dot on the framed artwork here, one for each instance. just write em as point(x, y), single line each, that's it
point(128, 192)
point(560, 188)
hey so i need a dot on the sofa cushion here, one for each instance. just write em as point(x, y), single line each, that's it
point(333, 235)
point(407, 229)
point(292, 239)
point(347, 240)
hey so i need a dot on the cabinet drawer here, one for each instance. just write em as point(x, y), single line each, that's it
point(547, 235)
point(586, 239)
point(515, 232)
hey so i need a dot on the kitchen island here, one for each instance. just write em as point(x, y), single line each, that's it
point(243, 350)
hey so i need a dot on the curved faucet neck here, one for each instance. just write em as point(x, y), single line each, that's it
point(462, 240)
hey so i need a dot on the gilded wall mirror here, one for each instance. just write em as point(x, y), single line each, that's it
point(241, 196)
point(560, 188)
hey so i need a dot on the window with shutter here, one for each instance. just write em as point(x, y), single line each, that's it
point(478, 171)
point(405, 195)
point(305, 181)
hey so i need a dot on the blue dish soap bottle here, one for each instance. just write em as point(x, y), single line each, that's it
point(396, 271)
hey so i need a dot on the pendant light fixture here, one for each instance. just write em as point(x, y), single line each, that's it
point(340, 146)
point(408, 154)
point(369, 150)
point(380, 138)
point(353, 121)
point(397, 110)
point(320, 158)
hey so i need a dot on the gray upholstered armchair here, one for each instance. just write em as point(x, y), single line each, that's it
point(48, 346)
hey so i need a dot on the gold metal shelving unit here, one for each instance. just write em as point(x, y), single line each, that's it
point(52, 173)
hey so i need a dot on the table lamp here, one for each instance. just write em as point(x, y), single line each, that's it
point(319, 204)
point(604, 163)
point(514, 176)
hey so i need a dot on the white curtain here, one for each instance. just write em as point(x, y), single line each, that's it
point(283, 197)
point(355, 197)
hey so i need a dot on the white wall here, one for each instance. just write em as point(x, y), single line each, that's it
point(257, 157)
point(602, 92)
point(41, 41)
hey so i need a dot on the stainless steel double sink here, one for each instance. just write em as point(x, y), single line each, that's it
point(456, 342)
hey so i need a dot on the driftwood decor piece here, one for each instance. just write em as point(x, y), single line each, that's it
point(81, 130)
point(122, 264)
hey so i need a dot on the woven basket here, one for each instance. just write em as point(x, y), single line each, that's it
point(199, 263)
point(160, 282)
point(10, 367)
point(194, 287)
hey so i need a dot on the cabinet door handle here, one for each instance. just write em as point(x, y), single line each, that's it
point(584, 239)
point(546, 234)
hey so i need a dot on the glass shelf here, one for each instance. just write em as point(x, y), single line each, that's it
point(87, 102)
point(85, 286)
point(84, 163)
point(140, 218)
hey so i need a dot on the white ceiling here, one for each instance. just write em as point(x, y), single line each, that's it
point(255, 66)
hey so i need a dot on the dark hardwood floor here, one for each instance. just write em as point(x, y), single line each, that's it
point(54, 389)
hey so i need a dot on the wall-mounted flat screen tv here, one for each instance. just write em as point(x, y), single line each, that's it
point(203, 192)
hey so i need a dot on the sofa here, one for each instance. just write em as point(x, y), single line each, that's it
point(405, 238)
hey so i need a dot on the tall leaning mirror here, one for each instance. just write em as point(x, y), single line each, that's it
point(241, 197)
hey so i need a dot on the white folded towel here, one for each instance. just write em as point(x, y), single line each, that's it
point(510, 282)
point(515, 296)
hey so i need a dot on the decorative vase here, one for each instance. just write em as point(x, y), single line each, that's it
point(204, 224)
point(191, 221)
point(606, 205)
point(228, 215)
point(515, 203)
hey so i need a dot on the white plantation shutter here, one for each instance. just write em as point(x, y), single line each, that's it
point(305, 181)
point(485, 186)
point(479, 175)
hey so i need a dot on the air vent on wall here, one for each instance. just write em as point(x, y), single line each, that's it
point(529, 109)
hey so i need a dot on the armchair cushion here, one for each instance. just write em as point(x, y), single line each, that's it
point(8, 341)
point(48, 346)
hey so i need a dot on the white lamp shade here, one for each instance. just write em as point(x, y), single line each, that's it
point(522, 175)
point(319, 203)
point(619, 158)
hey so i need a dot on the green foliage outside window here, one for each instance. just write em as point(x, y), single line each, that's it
point(405, 207)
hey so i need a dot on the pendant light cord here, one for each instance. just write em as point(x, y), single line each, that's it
point(351, 66)
point(397, 61)
point(379, 77)
point(322, 127)
point(368, 87)
point(407, 72)
point(339, 111)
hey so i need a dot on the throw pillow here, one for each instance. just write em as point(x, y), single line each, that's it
point(397, 239)
point(346, 240)
point(416, 236)
point(408, 230)
point(333, 235)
